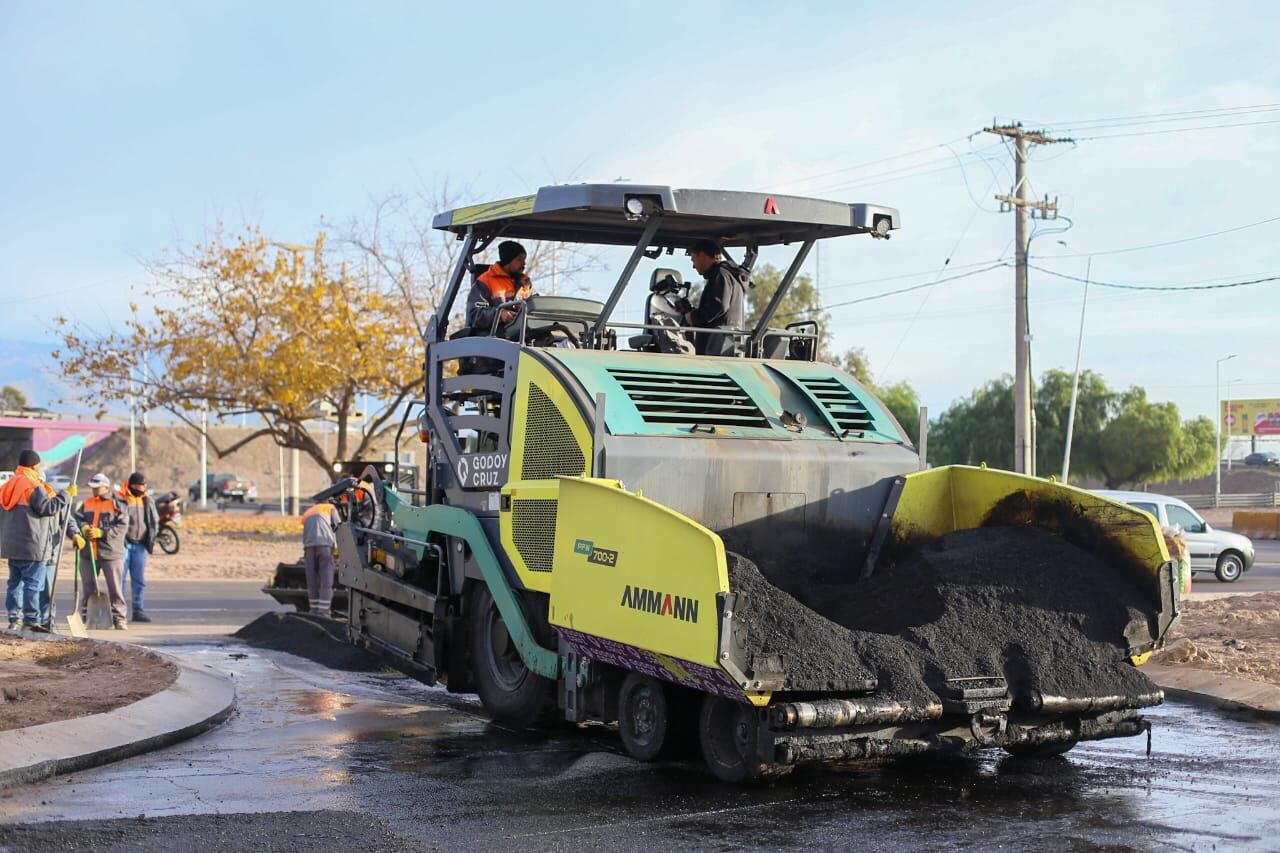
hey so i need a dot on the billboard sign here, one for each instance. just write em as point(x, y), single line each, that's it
point(1251, 417)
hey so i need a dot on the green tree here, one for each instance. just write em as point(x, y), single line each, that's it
point(977, 429)
point(11, 399)
point(1147, 442)
point(901, 399)
point(801, 302)
point(1095, 405)
point(854, 362)
point(1120, 437)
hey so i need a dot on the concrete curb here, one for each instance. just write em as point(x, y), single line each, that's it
point(1220, 691)
point(198, 700)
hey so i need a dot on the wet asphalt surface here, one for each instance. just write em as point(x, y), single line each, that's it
point(331, 760)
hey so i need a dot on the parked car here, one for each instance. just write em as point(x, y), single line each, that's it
point(225, 487)
point(5, 476)
point(1262, 460)
point(1228, 555)
point(60, 481)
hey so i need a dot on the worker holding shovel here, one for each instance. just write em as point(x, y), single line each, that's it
point(102, 522)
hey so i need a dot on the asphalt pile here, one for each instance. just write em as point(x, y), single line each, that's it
point(1014, 602)
point(312, 637)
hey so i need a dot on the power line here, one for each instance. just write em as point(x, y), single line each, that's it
point(900, 276)
point(1176, 130)
point(1163, 288)
point(1214, 112)
point(913, 287)
point(1171, 242)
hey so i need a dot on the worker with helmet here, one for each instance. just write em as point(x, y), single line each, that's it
point(103, 522)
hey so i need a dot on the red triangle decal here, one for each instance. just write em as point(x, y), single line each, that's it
point(770, 207)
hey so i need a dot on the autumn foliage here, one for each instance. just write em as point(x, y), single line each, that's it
point(243, 325)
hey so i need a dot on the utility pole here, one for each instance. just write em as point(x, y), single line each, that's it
point(1017, 200)
point(295, 503)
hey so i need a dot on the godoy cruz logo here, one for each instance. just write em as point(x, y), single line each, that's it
point(600, 556)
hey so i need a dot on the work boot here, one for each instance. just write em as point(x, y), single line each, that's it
point(141, 616)
point(119, 624)
point(15, 624)
point(38, 627)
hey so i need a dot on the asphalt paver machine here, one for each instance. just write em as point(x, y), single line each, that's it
point(589, 482)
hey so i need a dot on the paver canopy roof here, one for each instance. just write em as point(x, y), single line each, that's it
point(598, 213)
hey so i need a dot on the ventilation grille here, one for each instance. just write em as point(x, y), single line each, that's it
point(550, 450)
point(533, 528)
point(713, 399)
point(842, 404)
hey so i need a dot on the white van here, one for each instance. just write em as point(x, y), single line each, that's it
point(1227, 555)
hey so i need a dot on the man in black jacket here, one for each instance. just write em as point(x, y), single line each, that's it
point(723, 300)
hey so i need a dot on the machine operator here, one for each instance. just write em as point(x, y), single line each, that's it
point(502, 282)
point(723, 300)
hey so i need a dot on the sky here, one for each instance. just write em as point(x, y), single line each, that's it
point(132, 128)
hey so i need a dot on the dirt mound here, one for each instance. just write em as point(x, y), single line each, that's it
point(1236, 635)
point(321, 640)
point(49, 680)
point(1011, 602)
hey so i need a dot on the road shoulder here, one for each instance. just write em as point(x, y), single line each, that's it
point(197, 701)
point(1212, 688)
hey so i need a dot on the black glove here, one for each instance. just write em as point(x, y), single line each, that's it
point(684, 306)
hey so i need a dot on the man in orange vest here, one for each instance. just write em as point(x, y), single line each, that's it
point(31, 509)
point(502, 282)
point(318, 542)
point(103, 521)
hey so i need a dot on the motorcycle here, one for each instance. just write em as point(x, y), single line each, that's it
point(169, 506)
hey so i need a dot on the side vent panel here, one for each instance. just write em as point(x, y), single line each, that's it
point(842, 404)
point(533, 529)
point(550, 450)
point(710, 399)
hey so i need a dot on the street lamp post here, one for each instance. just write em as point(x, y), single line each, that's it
point(1075, 379)
point(1230, 421)
point(1217, 432)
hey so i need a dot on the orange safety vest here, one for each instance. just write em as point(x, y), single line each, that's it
point(500, 285)
point(17, 491)
point(98, 506)
point(318, 509)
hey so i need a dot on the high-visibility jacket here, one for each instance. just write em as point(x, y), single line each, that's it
point(144, 518)
point(317, 526)
point(109, 514)
point(30, 509)
point(492, 287)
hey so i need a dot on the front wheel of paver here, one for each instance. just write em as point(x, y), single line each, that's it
point(1230, 567)
point(728, 733)
point(509, 691)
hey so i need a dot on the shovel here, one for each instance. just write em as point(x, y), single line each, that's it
point(74, 623)
point(99, 605)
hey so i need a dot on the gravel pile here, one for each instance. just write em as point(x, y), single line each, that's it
point(321, 640)
point(1012, 602)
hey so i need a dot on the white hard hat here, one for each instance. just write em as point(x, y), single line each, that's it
point(99, 480)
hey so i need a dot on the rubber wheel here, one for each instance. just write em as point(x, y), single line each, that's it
point(508, 690)
point(1041, 750)
point(657, 720)
point(1230, 567)
point(727, 731)
point(167, 540)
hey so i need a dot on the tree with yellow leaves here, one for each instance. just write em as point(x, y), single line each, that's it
point(241, 325)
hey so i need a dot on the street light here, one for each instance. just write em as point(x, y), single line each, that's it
point(1075, 379)
point(1231, 421)
point(295, 498)
point(1217, 432)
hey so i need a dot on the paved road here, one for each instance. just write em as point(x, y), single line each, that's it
point(189, 610)
point(1263, 577)
point(431, 771)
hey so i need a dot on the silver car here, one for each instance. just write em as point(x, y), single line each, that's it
point(1227, 555)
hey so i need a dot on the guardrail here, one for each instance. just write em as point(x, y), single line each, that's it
point(1267, 499)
